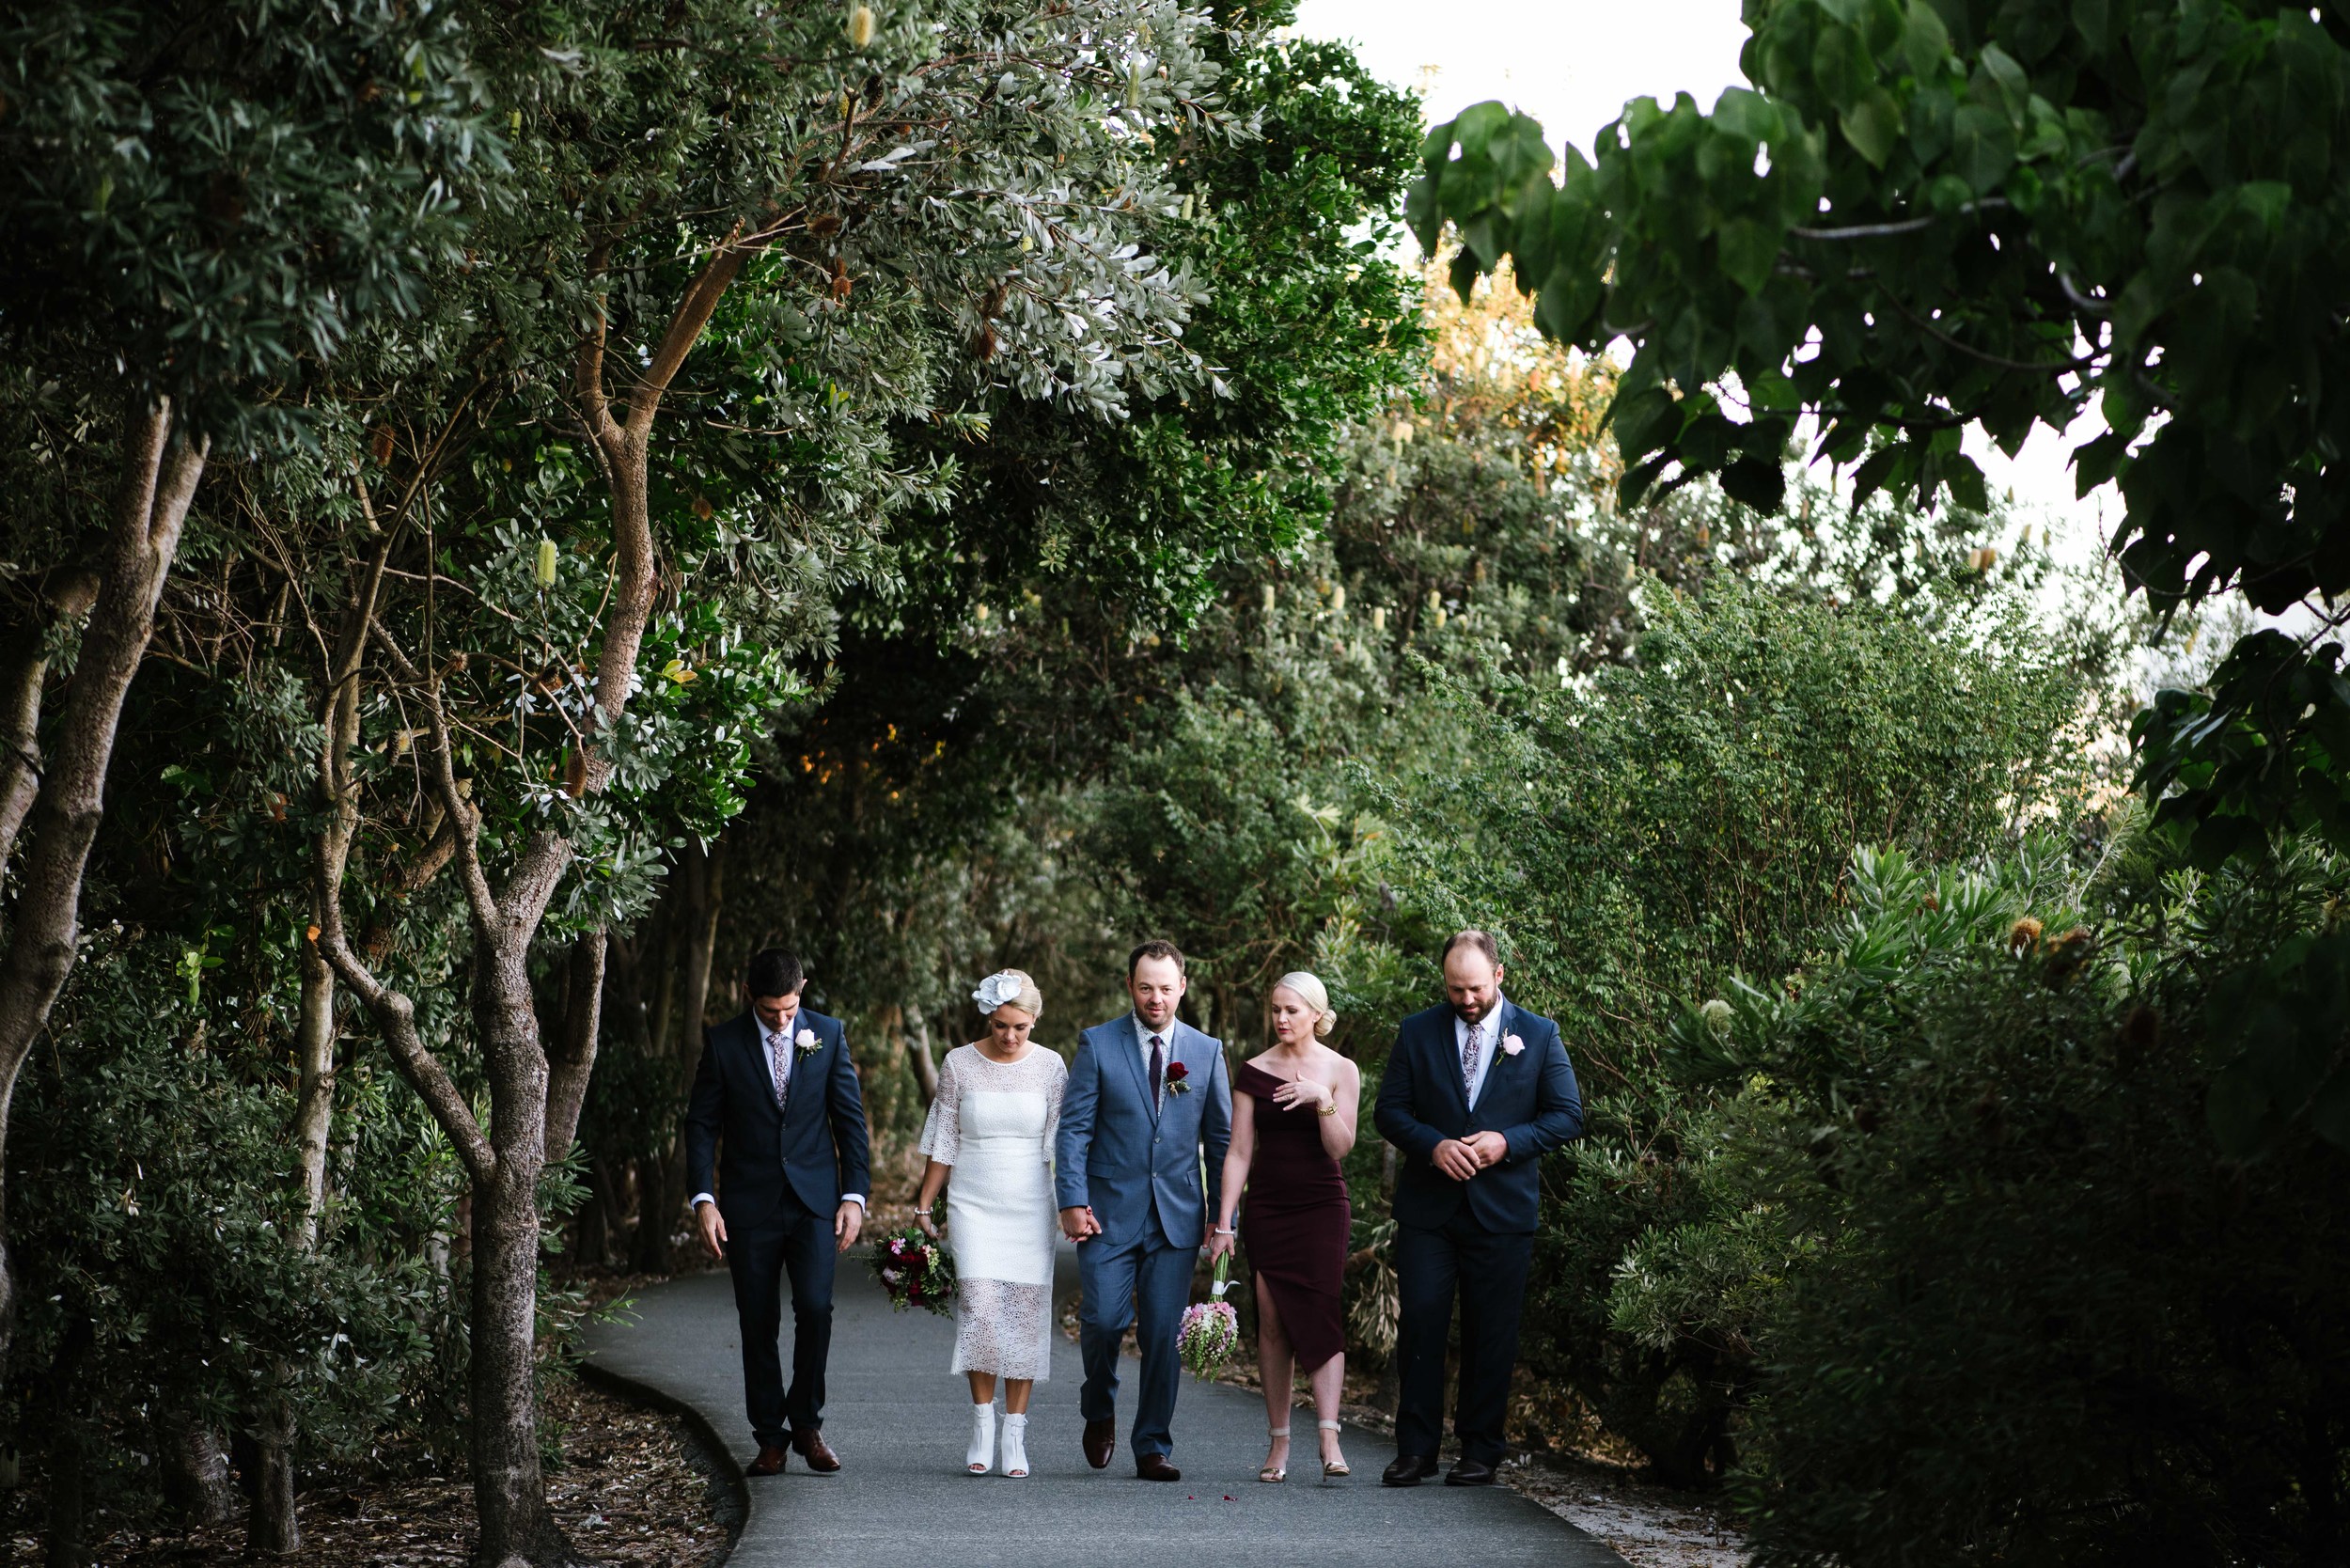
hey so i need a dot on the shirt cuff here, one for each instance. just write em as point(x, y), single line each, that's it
point(700, 1198)
point(855, 1197)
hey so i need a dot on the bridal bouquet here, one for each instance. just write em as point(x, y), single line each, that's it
point(914, 1270)
point(1211, 1329)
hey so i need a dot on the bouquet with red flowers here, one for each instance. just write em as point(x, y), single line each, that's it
point(914, 1270)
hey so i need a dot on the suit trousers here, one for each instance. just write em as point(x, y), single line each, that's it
point(794, 1242)
point(1146, 1282)
point(1428, 1264)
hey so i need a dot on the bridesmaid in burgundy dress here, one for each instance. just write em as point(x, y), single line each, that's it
point(1292, 1120)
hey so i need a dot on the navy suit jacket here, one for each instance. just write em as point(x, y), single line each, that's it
point(1120, 1157)
point(1530, 1099)
point(817, 1147)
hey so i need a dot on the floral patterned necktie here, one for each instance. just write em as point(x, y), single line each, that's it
point(1469, 1052)
point(779, 1048)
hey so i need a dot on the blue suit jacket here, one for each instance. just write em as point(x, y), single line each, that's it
point(817, 1146)
point(1528, 1098)
point(1119, 1158)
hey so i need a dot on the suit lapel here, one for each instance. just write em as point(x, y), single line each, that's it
point(1446, 1046)
point(1494, 1055)
point(752, 1041)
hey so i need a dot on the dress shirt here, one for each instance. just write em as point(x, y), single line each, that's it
point(1487, 1043)
point(1167, 1055)
point(779, 1065)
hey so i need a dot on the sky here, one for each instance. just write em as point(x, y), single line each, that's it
point(1573, 65)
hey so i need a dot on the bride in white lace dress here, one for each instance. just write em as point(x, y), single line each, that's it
point(991, 1129)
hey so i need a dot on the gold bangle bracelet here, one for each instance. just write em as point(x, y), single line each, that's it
point(1330, 1110)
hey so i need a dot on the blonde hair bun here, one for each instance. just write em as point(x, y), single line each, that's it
point(1314, 994)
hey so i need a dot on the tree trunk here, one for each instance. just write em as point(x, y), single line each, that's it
point(917, 1033)
point(510, 1490)
point(159, 480)
point(193, 1471)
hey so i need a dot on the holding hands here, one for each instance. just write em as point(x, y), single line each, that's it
point(1078, 1223)
point(1462, 1158)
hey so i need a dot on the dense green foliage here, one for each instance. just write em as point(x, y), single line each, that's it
point(2008, 1300)
point(1952, 213)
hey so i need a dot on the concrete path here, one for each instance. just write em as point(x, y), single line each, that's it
point(899, 1421)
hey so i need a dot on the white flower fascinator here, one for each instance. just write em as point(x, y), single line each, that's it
point(997, 989)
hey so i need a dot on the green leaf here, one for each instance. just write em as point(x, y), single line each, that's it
point(1758, 482)
point(1873, 126)
point(1925, 41)
point(1841, 67)
point(1983, 145)
point(1748, 250)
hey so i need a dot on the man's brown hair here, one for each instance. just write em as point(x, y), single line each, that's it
point(1481, 941)
point(1156, 947)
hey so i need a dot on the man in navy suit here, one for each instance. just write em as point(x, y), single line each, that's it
point(1145, 1095)
point(777, 1090)
point(1475, 1093)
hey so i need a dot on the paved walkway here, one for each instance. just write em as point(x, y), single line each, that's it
point(899, 1421)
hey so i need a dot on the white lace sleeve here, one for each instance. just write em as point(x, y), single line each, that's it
point(1052, 1109)
point(941, 1135)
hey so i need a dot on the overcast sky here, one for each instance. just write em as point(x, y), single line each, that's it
point(1573, 65)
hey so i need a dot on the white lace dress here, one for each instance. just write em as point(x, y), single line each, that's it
point(995, 1123)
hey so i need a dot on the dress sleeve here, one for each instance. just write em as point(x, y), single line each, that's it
point(941, 1135)
point(1052, 1108)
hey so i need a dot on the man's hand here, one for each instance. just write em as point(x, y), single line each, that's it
point(1456, 1160)
point(713, 1229)
point(1490, 1147)
point(1078, 1223)
point(847, 1220)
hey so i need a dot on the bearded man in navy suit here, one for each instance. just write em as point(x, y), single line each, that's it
point(777, 1087)
point(1475, 1093)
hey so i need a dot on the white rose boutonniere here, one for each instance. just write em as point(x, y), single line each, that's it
point(1511, 1045)
point(806, 1043)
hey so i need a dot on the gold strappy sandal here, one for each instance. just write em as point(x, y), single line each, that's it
point(1332, 1468)
point(1269, 1474)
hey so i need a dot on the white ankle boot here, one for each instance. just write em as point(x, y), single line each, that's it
point(1016, 1445)
point(982, 1452)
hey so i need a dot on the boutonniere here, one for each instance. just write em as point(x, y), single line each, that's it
point(1177, 1078)
point(806, 1043)
point(1511, 1045)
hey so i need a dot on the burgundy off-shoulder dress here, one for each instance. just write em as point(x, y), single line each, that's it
point(1297, 1222)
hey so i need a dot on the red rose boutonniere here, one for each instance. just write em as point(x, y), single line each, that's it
point(1177, 1078)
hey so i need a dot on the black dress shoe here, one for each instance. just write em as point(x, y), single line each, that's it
point(1470, 1472)
point(1408, 1469)
point(1156, 1467)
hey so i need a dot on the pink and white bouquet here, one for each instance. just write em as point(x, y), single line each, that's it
point(1210, 1333)
point(914, 1270)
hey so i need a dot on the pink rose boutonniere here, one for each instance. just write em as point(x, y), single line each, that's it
point(1177, 1078)
point(806, 1042)
point(1511, 1045)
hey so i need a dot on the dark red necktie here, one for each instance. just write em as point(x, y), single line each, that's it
point(1158, 1071)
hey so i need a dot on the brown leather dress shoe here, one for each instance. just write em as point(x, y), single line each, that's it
point(1156, 1467)
point(810, 1446)
point(769, 1462)
point(1100, 1437)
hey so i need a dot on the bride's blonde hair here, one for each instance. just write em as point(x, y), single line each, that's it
point(1315, 995)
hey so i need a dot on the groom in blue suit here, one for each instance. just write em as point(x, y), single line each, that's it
point(1475, 1093)
point(1145, 1095)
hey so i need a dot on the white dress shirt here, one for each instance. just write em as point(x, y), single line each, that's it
point(1487, 1043)
point(779, 1065)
